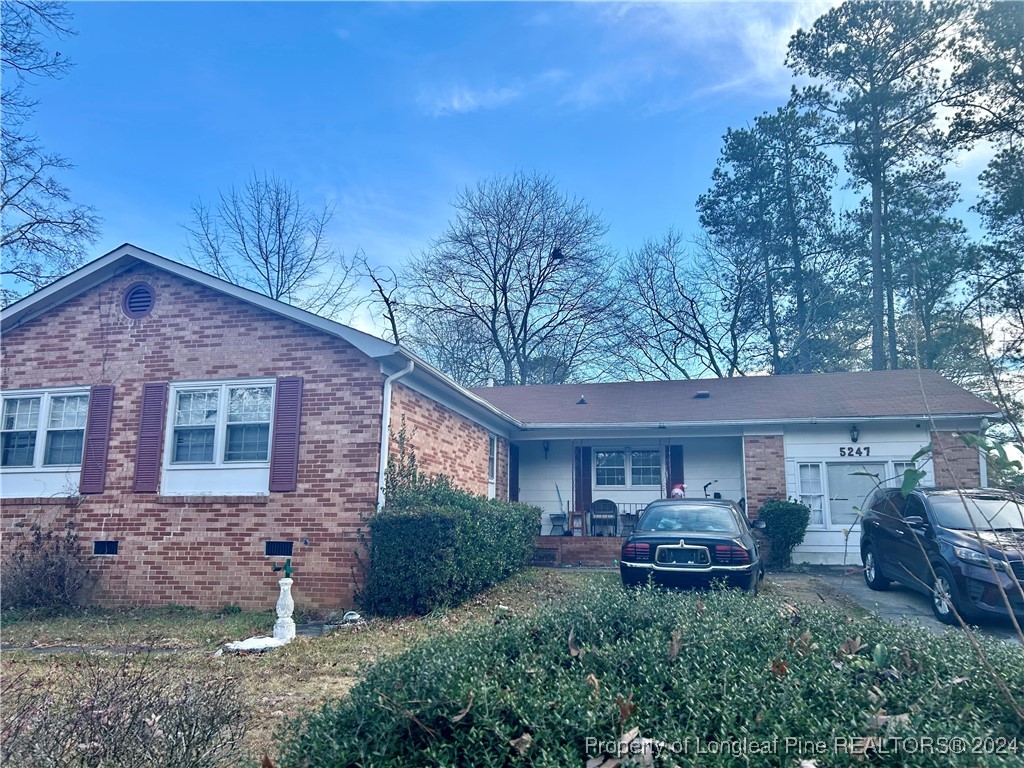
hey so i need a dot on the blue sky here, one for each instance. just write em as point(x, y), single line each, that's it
point(388, 109)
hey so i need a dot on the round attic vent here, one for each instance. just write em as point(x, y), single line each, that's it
point(138, 300)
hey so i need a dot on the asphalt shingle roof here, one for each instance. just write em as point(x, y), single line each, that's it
point(879, 394)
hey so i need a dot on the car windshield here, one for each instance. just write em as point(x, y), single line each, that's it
point(987, 512)
point(696, 519)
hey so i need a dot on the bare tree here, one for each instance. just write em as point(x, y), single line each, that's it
point(521, 273)
point(43, 234)
point(385, 293)
point(264, 237)
point(683, 317)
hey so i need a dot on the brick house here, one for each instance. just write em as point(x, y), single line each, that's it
point(195, 431)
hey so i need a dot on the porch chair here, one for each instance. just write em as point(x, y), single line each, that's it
point(604, 515)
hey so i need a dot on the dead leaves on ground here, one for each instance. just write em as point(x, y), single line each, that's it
point(574, 649)
point(465, 711)
point(522, 744)
point(779, 667)
point(626, 707)
point(675, 644)
point(850, 647)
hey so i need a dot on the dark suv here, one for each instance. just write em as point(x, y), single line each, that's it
point(958, 547)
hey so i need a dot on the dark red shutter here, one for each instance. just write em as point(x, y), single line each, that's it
point(284, 451)
point(513, 472)
point(97, 438)
point(584, 491)
point(675, 468)
point(151, 438)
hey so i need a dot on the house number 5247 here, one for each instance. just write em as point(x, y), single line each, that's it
point(855, 450)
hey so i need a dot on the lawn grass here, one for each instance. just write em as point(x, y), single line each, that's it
point(281, 684)
point(169, 627)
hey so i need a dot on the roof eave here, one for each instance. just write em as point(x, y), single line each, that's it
point(531, 426)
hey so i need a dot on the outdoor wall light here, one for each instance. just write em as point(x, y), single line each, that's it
point(854, 433)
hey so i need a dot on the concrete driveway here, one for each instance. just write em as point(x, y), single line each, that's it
point(901, 603)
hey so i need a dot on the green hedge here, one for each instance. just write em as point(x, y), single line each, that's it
point(785, 526)
point(716, 672)
point(441, 546)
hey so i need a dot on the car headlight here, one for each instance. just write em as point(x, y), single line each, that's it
point(974, 557)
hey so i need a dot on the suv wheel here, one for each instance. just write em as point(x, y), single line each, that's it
point(946, 598)
point(872, 575)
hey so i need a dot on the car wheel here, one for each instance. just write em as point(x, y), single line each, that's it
point(946, 598)
point(872, 575)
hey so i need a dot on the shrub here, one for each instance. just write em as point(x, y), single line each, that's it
point(692, 672)
point(434, 544)
point(440, 552)
point(45, 570)
point(133, 713)
point(785, 527)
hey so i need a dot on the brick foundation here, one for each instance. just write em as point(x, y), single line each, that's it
point(571, 550)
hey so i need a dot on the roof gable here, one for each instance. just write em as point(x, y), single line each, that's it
point(126, 256)
point(392, 357)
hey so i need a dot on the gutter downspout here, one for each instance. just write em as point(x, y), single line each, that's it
point(385, 431)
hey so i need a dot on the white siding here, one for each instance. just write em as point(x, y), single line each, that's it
point(714, 458)
point(888, 443)
point(542, 479)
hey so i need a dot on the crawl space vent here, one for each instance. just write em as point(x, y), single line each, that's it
point(279, 549)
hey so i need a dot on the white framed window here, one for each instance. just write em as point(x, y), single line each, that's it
point(645, 467)
point(811, 490)
point(898, 468)
point(217, 439)
point(43, 429)
point(218, 424)
point(492, 466)
point(627, 468)
point(834, 491)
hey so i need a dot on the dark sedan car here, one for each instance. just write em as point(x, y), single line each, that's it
point(962, 548)
point(692, 543)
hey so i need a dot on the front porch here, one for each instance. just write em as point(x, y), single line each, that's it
point(598, 488)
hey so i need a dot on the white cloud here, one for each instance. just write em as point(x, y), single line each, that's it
point(462, 99)
point(744, 43)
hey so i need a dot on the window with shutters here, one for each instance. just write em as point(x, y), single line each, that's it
point(42, 437)
point(43, 429)
point(627, 468)
point(218, 437)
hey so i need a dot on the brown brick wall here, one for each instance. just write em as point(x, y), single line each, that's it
point(764, 458)
point(448, 443)
point(955, 463)
point(208, 551)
